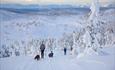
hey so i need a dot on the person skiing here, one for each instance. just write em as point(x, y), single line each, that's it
point(42, 48)
point(65, 49)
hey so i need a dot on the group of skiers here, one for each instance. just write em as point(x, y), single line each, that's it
point(42, 49)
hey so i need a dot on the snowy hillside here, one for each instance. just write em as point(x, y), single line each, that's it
point(88, 36)
point(22, 26)
point(61, 62)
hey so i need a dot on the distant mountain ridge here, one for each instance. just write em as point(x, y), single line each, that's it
point(19, 6)
point(50, 6)
point(74, 9)
point(40, 8)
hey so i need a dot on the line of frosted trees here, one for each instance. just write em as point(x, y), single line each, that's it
point(30, 47)
point(73, 41)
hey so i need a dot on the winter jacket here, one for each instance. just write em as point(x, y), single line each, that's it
point(42, 47)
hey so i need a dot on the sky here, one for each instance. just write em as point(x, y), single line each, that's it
point(53, 1)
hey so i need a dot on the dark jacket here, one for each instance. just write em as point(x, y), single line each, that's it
point(42, 47)
point(50, 54)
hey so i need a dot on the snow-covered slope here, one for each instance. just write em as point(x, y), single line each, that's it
point(29, 27)
point(62, 62)
point(8, 15)
point(21, 35)
point(38, 26)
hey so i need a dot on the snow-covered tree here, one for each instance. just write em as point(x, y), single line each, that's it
point(50, 44)
point(94, 9)
point(92, 35)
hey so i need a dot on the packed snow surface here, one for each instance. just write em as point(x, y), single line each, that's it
point(62, 62)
